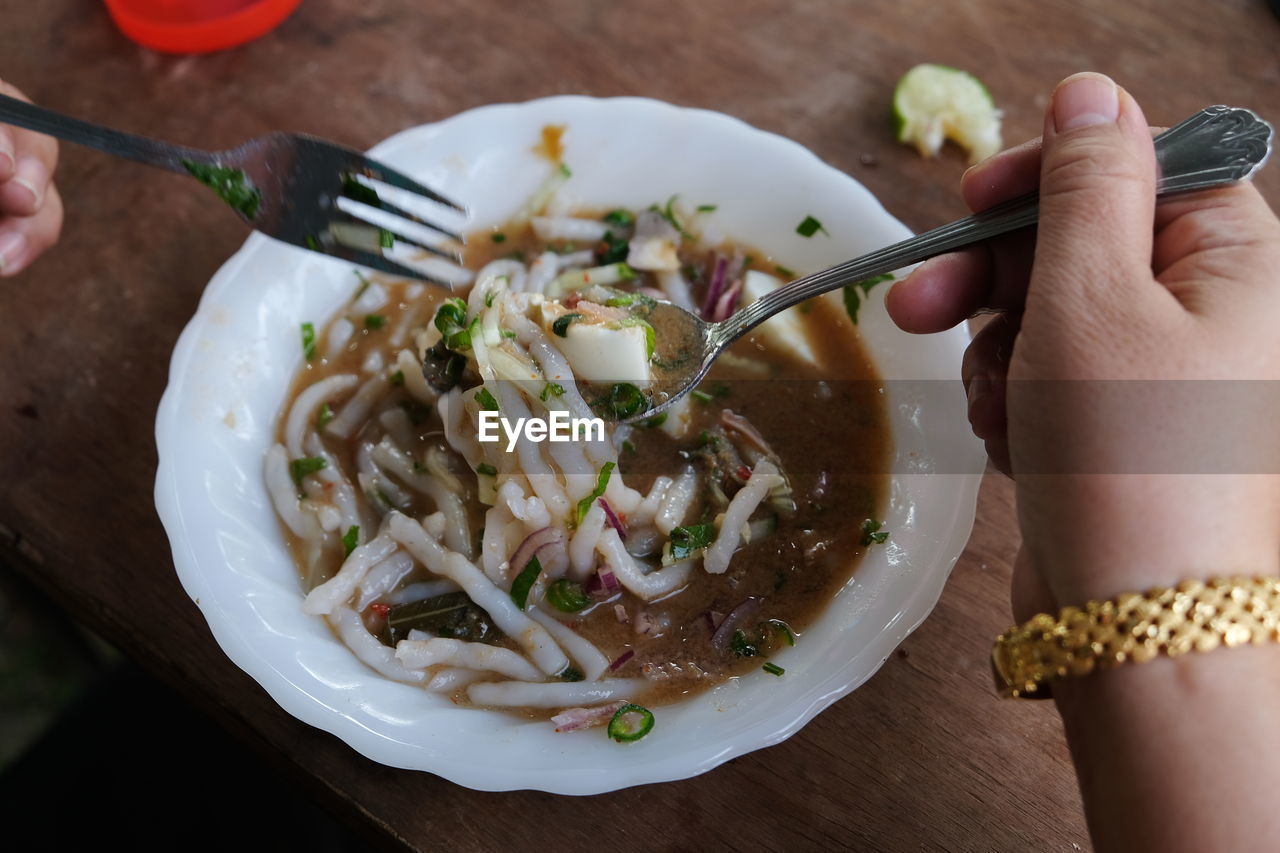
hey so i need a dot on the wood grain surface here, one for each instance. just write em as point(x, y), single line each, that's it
point(923, 756)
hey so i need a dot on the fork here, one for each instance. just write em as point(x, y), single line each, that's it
point(1217, 146)
point(285, 185)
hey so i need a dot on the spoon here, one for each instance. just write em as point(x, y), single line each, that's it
point(1216, 146)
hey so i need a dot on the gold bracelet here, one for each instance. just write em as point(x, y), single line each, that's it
point(1194, 616)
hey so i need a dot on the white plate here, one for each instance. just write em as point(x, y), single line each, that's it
point(235, 359)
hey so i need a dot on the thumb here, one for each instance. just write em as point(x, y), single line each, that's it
point(1097, 196)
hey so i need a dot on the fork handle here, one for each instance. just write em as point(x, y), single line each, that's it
point(139, 148)
point(1218, 145)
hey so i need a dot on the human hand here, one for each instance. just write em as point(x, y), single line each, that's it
point(30, 207)
point(1110, 288)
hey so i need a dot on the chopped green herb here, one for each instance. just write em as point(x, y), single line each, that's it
point(746, 262)
point(374, 321)
point(612, 250)
point(498, 237)
point(630, 722)
point(488, 299)
point(486, 468)
point(231, 185)
point(567, 596)
point(872, 533)
point(742, 647)
point(310, 241)
point(364, 284)
point(809, 227)
point(566, 171)
point(571, 674)
point(621, 218)
point(324, 415)
point(451, 320)
point(690, 539)
point(650, 336)
point(357, 191)
point(551, 389)
point(308, 341)
point(561, 325)
point(654, 422)
point(627, 446)
point(452, 615)
point(350, 539)
point(486, 400)
point(855, 293)
point(784, 271)
point(300, 468)
point(701, 396)
point(602, 483)
point(524, 582)
point(396, 379)
point(668, 212)
point(624, 400)
point(773, 669)
point(707, 208)
point(386, 239)
point(625, 272)
point(508, 334)
point(624, 300)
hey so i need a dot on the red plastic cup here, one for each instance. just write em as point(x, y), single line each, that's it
point(197, 26)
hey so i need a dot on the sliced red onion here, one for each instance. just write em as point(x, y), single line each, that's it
point(737, 617)
point(612, 518)
point(645, 623)
point(728, 301)
point(572, 719)
point(534, 544)
point(622, 658)
point(603, 584)
point(716, 287)
point(713, 619)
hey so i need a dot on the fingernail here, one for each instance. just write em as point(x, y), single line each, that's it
point(12, 247)
point(32, 177)
point(1084, 100)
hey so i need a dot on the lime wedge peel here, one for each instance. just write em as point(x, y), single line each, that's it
point(933, 103)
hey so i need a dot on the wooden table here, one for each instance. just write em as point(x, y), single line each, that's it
point(924, 755)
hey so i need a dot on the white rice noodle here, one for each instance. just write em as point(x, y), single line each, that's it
point(529, 509)
point(495, 551)
point(590, 660)
point(676, 502)
point(648, 508)
point(458, 430)
point(716, 558)
point(569, 228)
point(398, 426)
point(338, 589)
point(542, 479)
point(414, 382)
point(495, 277)
point(421, 590)
point(383, 578)
point(542, 271)
point(631, 574)
point(375, 296)
point(450, 678)
point(569, 260)
point(305, 404)
point(673, 284)
point(356, 411)
point(284, 497)
point(582, 547)
point(420, 654)
point(369, 648)
point(340, 491)
point(530, 636)
point(621, 497)
point(373, 480)
point(373, 362)
point(340, 334)
point(457, 532)
point(554, 694)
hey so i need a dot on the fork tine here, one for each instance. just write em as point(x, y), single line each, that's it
point(381, 172)
point(381, 204)
point(347, 218)
point(387, 265)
